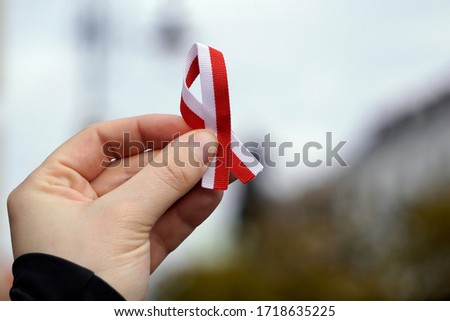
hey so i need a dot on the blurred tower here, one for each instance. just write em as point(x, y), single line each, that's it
point(171, 25)
point(253, 208)
point(93, 38)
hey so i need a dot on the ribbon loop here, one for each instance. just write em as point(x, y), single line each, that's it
point(214, 114)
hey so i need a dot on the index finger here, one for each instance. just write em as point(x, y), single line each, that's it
point(87, 152)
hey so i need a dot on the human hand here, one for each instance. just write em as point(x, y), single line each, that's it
point(120, 222)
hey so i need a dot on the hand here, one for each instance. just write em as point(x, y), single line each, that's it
point(120, 222)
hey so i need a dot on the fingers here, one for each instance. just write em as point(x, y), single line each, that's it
point(90, 151)
point(120, 171)
point(171, 174)
point(180, 221)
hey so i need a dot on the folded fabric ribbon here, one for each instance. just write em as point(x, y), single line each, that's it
point(214, 114)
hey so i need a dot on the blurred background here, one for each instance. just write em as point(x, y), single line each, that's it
point(374, 73)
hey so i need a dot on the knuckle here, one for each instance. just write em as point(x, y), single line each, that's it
point(14, 200)
point(215, 199)
point(11, 198)
point(209, 199)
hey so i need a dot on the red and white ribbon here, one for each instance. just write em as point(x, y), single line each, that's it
point(213, 113)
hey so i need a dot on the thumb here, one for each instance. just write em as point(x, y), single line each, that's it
point(170, 174)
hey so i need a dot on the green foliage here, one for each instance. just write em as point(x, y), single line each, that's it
point(301, 251)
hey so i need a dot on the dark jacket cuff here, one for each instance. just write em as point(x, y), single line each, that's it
point(40, 276)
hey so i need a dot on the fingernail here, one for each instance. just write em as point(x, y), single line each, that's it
point(208, 145)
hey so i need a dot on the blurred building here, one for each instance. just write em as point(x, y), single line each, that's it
point(378, 232)
point(409, 161)
point(398, 199)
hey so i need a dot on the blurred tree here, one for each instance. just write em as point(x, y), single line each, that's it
point(419, 266)
point(297, 253)
point(308, 250)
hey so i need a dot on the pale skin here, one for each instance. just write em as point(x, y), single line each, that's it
point(119, 222)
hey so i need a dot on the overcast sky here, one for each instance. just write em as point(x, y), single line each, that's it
point(297, 69)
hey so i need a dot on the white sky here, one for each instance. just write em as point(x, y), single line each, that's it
point(297, 69)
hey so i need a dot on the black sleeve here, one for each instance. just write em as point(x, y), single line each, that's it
point(45, 277)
